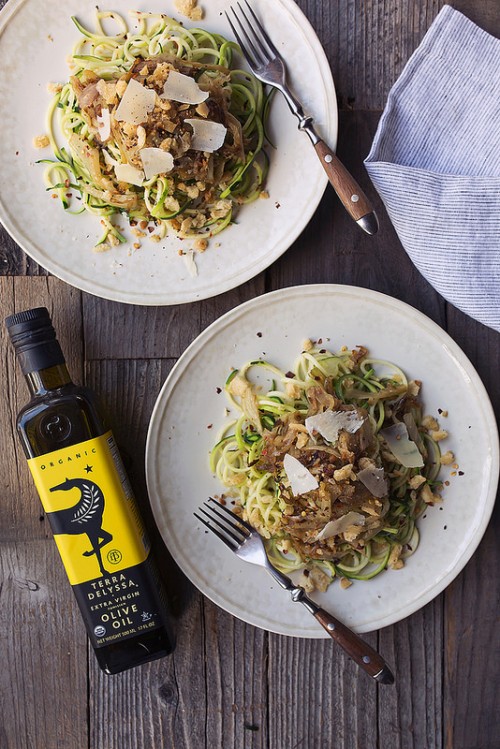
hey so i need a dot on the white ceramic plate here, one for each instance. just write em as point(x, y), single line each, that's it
point(274, 326)
point(35, 39)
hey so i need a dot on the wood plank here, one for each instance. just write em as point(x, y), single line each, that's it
point(410, 716)
point(121, 331)
point(238, 699)
point(368, 42)
point(318, 697)
point(484, 13)
point(21, 514)
point(472, 650)
point(43, 679)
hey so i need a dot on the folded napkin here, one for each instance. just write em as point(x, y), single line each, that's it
point(435, 161)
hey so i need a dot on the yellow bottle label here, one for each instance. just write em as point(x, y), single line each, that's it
point(91, 508)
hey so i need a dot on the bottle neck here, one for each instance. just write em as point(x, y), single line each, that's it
point(43, 381)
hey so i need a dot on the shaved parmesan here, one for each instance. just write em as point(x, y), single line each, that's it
point(300, 478)
point(110, 161)
point(156, 161)
point(104, 125)
point(403, 448)
point(137, 102)
point(330, 423)
point(129, 173)
point(191, 263)
point(207, 135)
point(341, 525)
point(374, 480)
point(182, 88)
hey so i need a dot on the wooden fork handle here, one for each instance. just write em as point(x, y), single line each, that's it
point(350, 193)
point(364, 655)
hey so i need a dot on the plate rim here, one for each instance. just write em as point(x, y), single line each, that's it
point(94, 286)
point(432, 327)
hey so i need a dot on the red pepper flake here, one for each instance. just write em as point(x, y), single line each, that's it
point(69, 194)
point(460, 473)
point(209, 426)
point(289, 374)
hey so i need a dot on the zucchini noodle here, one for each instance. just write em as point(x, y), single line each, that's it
point(362, 516)
point(201, 194)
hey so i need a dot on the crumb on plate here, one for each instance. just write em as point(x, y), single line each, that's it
point(189, 8)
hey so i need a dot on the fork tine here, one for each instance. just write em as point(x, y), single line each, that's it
point(233, 515)
point(238, 38)
point(231, 531)
point(261, 29)
point(228, 543)
point(247, 46)
point(231, 519)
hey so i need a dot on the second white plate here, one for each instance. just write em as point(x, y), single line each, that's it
point(190, 409)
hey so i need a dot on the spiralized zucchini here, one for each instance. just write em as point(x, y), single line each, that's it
point(249, 453)
point(201, 195)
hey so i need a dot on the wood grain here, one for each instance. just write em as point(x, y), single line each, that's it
point(43, 679)
point(318, 698)
point(121, 331)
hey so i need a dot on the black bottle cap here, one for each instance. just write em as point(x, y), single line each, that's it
point(34, 340)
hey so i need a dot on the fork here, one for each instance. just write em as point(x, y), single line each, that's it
point(269, 67)
point(247, 544)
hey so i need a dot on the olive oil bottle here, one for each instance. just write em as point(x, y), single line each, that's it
point(89, 503)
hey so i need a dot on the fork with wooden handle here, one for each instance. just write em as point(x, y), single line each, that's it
point(268, 66)
point(247, 544)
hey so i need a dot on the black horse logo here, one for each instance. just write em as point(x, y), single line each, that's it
point(84, 517)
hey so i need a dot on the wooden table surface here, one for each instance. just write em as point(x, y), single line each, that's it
point(229, 684)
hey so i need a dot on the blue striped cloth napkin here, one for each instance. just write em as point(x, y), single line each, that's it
point(435, 161)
